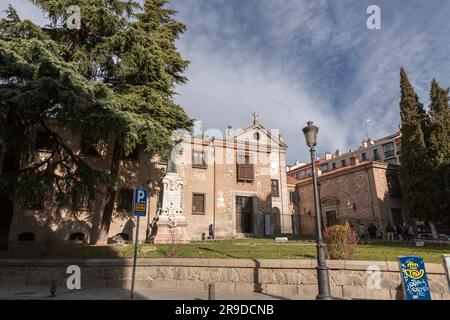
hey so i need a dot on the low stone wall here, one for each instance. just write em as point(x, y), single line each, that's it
point(349, 279)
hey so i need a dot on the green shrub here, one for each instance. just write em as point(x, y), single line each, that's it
point(340, 241)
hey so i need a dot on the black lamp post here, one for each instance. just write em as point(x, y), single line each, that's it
point(310, 132)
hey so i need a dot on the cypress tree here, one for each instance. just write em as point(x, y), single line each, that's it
point(439, 147)
point(415, 171)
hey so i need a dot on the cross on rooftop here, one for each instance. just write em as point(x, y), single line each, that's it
point(255, 117)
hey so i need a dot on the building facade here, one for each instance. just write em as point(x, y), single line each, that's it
point(232, 186)
point(386, 150)
point(360, 193)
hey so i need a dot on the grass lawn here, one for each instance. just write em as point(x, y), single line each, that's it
point(240, 249)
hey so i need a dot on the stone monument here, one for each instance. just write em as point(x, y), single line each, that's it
point(172, 224)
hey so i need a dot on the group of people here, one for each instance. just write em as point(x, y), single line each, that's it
point(400, 232)
point(397, 232)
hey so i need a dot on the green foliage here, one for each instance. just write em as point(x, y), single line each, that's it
point(341, 241)
point(114, 78)
point(439, 147)
point(425, 157)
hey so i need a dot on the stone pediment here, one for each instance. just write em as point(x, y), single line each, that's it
point(257, 134)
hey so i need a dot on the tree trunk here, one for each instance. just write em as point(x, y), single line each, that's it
point(102, 238)
point(11, 164)
point(434, 231)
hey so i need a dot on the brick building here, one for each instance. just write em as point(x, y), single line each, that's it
point(235, 183)
point(361, 192)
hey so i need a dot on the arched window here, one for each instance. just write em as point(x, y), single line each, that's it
point(26, 236)
point(120, 237)
point(77, 237)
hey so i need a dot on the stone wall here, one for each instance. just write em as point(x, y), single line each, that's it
point(349, 279)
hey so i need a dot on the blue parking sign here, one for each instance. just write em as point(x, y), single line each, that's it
point(140, 197)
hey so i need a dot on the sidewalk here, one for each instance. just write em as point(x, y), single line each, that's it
point(35, 292)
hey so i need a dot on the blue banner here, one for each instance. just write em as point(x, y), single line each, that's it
point(414, 278)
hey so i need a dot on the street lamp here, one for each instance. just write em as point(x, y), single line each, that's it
point(310, 132)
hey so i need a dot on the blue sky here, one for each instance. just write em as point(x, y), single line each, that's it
point(298, 60)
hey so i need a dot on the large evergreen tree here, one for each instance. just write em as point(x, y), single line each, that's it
point(416, 169)
point(127, 54)
point(439, 148)
point(39, 90)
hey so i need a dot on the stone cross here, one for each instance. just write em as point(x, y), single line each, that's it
point(255, 117)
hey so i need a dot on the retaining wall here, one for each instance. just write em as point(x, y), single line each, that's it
point(349, 279)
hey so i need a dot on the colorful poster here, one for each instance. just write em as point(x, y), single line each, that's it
point(414, 278)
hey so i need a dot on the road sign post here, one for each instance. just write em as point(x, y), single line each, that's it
point(140, 198)
point(446, 259)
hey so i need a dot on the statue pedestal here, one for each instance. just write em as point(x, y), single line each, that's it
point(171, 224)
point(172, 230)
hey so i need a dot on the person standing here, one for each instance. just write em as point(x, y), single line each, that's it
point(411, 233)
point(405, 228)
point(362, 231)
point(390, 231)
point(398, 231)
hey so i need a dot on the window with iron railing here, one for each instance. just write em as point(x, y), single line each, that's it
point(199, 159)
point(245, 169)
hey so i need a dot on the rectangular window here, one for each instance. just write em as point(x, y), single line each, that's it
point(133, 155)
point(275, 188)
point(333, 165)
point(44, 142)
point(198, 203)
point(388, 149)
point(376, 155)
point(324, 167)
point(125, 200)
point(89, 146)
point(343, 163)
point(302, 174)
point(34, 202)
point(245, 170)
point(293, 197)
point(393, 183)
point(364, 156)
point(199, 159)
point(82, 202)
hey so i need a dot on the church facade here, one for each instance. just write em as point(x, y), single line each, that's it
point(225, 187)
